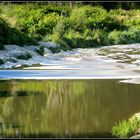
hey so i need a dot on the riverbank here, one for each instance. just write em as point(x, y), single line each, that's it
point(14, 56)
point(71, 27)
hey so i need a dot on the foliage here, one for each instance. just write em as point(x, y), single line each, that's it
point(70, 27)
point(10, 35)
point(1, 46)
point(124, 37)
point(77, 19)
point(36, 20)
point(114, 37)
point(125, 129)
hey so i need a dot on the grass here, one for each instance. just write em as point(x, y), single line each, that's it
point(126, 128)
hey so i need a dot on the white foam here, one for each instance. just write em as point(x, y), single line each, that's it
point(132, 81)
point(82, 63)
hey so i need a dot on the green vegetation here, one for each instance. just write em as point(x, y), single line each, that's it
point(40, 50)
point(9, 35)
point(1, 61)
point(125, 129)
point(1, 46)
point(70, 27)
point(24, 56)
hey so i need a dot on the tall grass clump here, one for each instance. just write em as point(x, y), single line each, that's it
point(126, 128)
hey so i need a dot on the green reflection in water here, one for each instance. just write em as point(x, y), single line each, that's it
point(65, 108)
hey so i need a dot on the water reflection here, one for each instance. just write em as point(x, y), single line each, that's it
point(65, 108)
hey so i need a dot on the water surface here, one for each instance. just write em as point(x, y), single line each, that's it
point(65, 108)
point(79, 93)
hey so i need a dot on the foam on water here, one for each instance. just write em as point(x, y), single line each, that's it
point(110, 62)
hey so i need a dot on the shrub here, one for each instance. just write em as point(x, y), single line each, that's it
point(79, 26)
point(134, 22)
point(47, 23)
point(101, 37)
point(119, 12)
point(19, 38)
point(61, 27)
point(77, 19)
point(95, 16)
point(36, 23)
point(114, 37)
point(124, 37)
point(73, 39)
point(78, 40)
point(28, 18)
point(61, 10)
point(58, 31)
point(130, 36)
point(10, 35)
point(4, 31)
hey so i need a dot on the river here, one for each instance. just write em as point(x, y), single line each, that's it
point(79, 93)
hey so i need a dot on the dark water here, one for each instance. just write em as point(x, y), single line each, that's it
point(65, 108)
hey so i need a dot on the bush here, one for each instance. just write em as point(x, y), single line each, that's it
point(10, 35)
point(4, 31)
point(79, 26)
point(46, 24)
point(124, 37)
point(133, 22)
point(119, 12)
point(95, 16)
point(61, 10)
point(114, 37)
point(78, 40)
point(130, 36)
point(19, 38)
point(38, 21)
point(61, 27)
point(77, 19)
point(58, 31)
point(101, 37)
point(28, 19)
